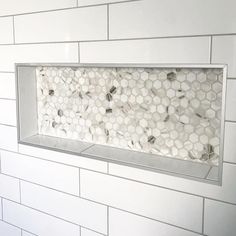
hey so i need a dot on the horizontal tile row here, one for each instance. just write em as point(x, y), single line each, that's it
point(55, 53)
point(7, 85)
point(170, 206)
point(37, 222)
point(8, 112)
point(155, 18)
point(8, 138)
point(9, 188)
point(223, 193)
point(9, 230)
point(70, 208)
point(12, 7)
point(172, 50)
point(53, 175)
point(63, 158)
point(6, 28)
point(79, 24)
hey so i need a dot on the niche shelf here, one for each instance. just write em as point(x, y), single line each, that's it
point(165, 118)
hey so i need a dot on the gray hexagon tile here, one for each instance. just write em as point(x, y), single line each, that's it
point(168, 112)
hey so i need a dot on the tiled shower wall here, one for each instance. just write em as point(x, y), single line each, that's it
point(53, 194)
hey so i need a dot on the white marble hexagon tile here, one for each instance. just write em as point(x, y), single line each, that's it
point(170, 112)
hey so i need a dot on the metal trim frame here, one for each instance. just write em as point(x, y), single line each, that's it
point(105, 65)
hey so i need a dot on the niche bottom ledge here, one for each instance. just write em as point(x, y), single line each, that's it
point(171, 166)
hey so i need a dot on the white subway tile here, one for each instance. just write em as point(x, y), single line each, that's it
point(7, 85)
point(6, 28)
point(89, 23)
point(223, 51)
point(8, 138)
point(229, 142)
point(24, 233)
point(12, 7)
point(157, 18)
point(219, 218)
point(225, 192)
point(57, 176)
point(87, 232)
point(170, 50)
point(9, 230)
point(93, 2)
point(126, 224)
point(9, 188)
point(231, 100)
point(169, 206)
point(68, 159)
point(7, 112)
point(73, 209)
point(37, 222)
point(55, 53)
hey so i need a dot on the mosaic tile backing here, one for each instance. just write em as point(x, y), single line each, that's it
point(170, 112)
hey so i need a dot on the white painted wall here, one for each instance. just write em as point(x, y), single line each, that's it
point(46, 193)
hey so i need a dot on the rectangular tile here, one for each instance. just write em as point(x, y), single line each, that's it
point(8, 138)
point(9, 188)
point(94, 2)
point(171, 50)
point(225, 192)
point(37, 222)
point(68, 159)
point(229, 142)
point(13, 7)
point(89, 23)
point(57, 176)
point(6, 28)
point(126, 224)
point(7, 85)
point(87, 232)
point(223, 51)
point(149, 201)
point(73, 209)
point(7, 112)
point(230, 113)
point(156, 18)
point(59, 52)
point(9, 230)
point(219, 218)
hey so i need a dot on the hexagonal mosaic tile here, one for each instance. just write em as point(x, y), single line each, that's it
point(169, 112)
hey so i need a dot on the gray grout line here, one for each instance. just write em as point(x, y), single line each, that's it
point(20, 190)
point(79, 182)
point(231, 78)
point(83, 227)
point(120, 177)
point(67, 8)
point(208, 172)
point(7, 72)
point(12, 126)
point(80, 231)
point(203, 214)
point(108, 221)
point(118, 39)
point(13, 25)
point(231, 163)
point(8, 99)
point(230, 121)
point(211, 41)
point(78, 52)
point(2, 208)
point(21, 232)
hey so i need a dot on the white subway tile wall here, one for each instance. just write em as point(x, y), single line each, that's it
point(49, 193)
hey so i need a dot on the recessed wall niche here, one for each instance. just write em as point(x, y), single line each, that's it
point(165, 118)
